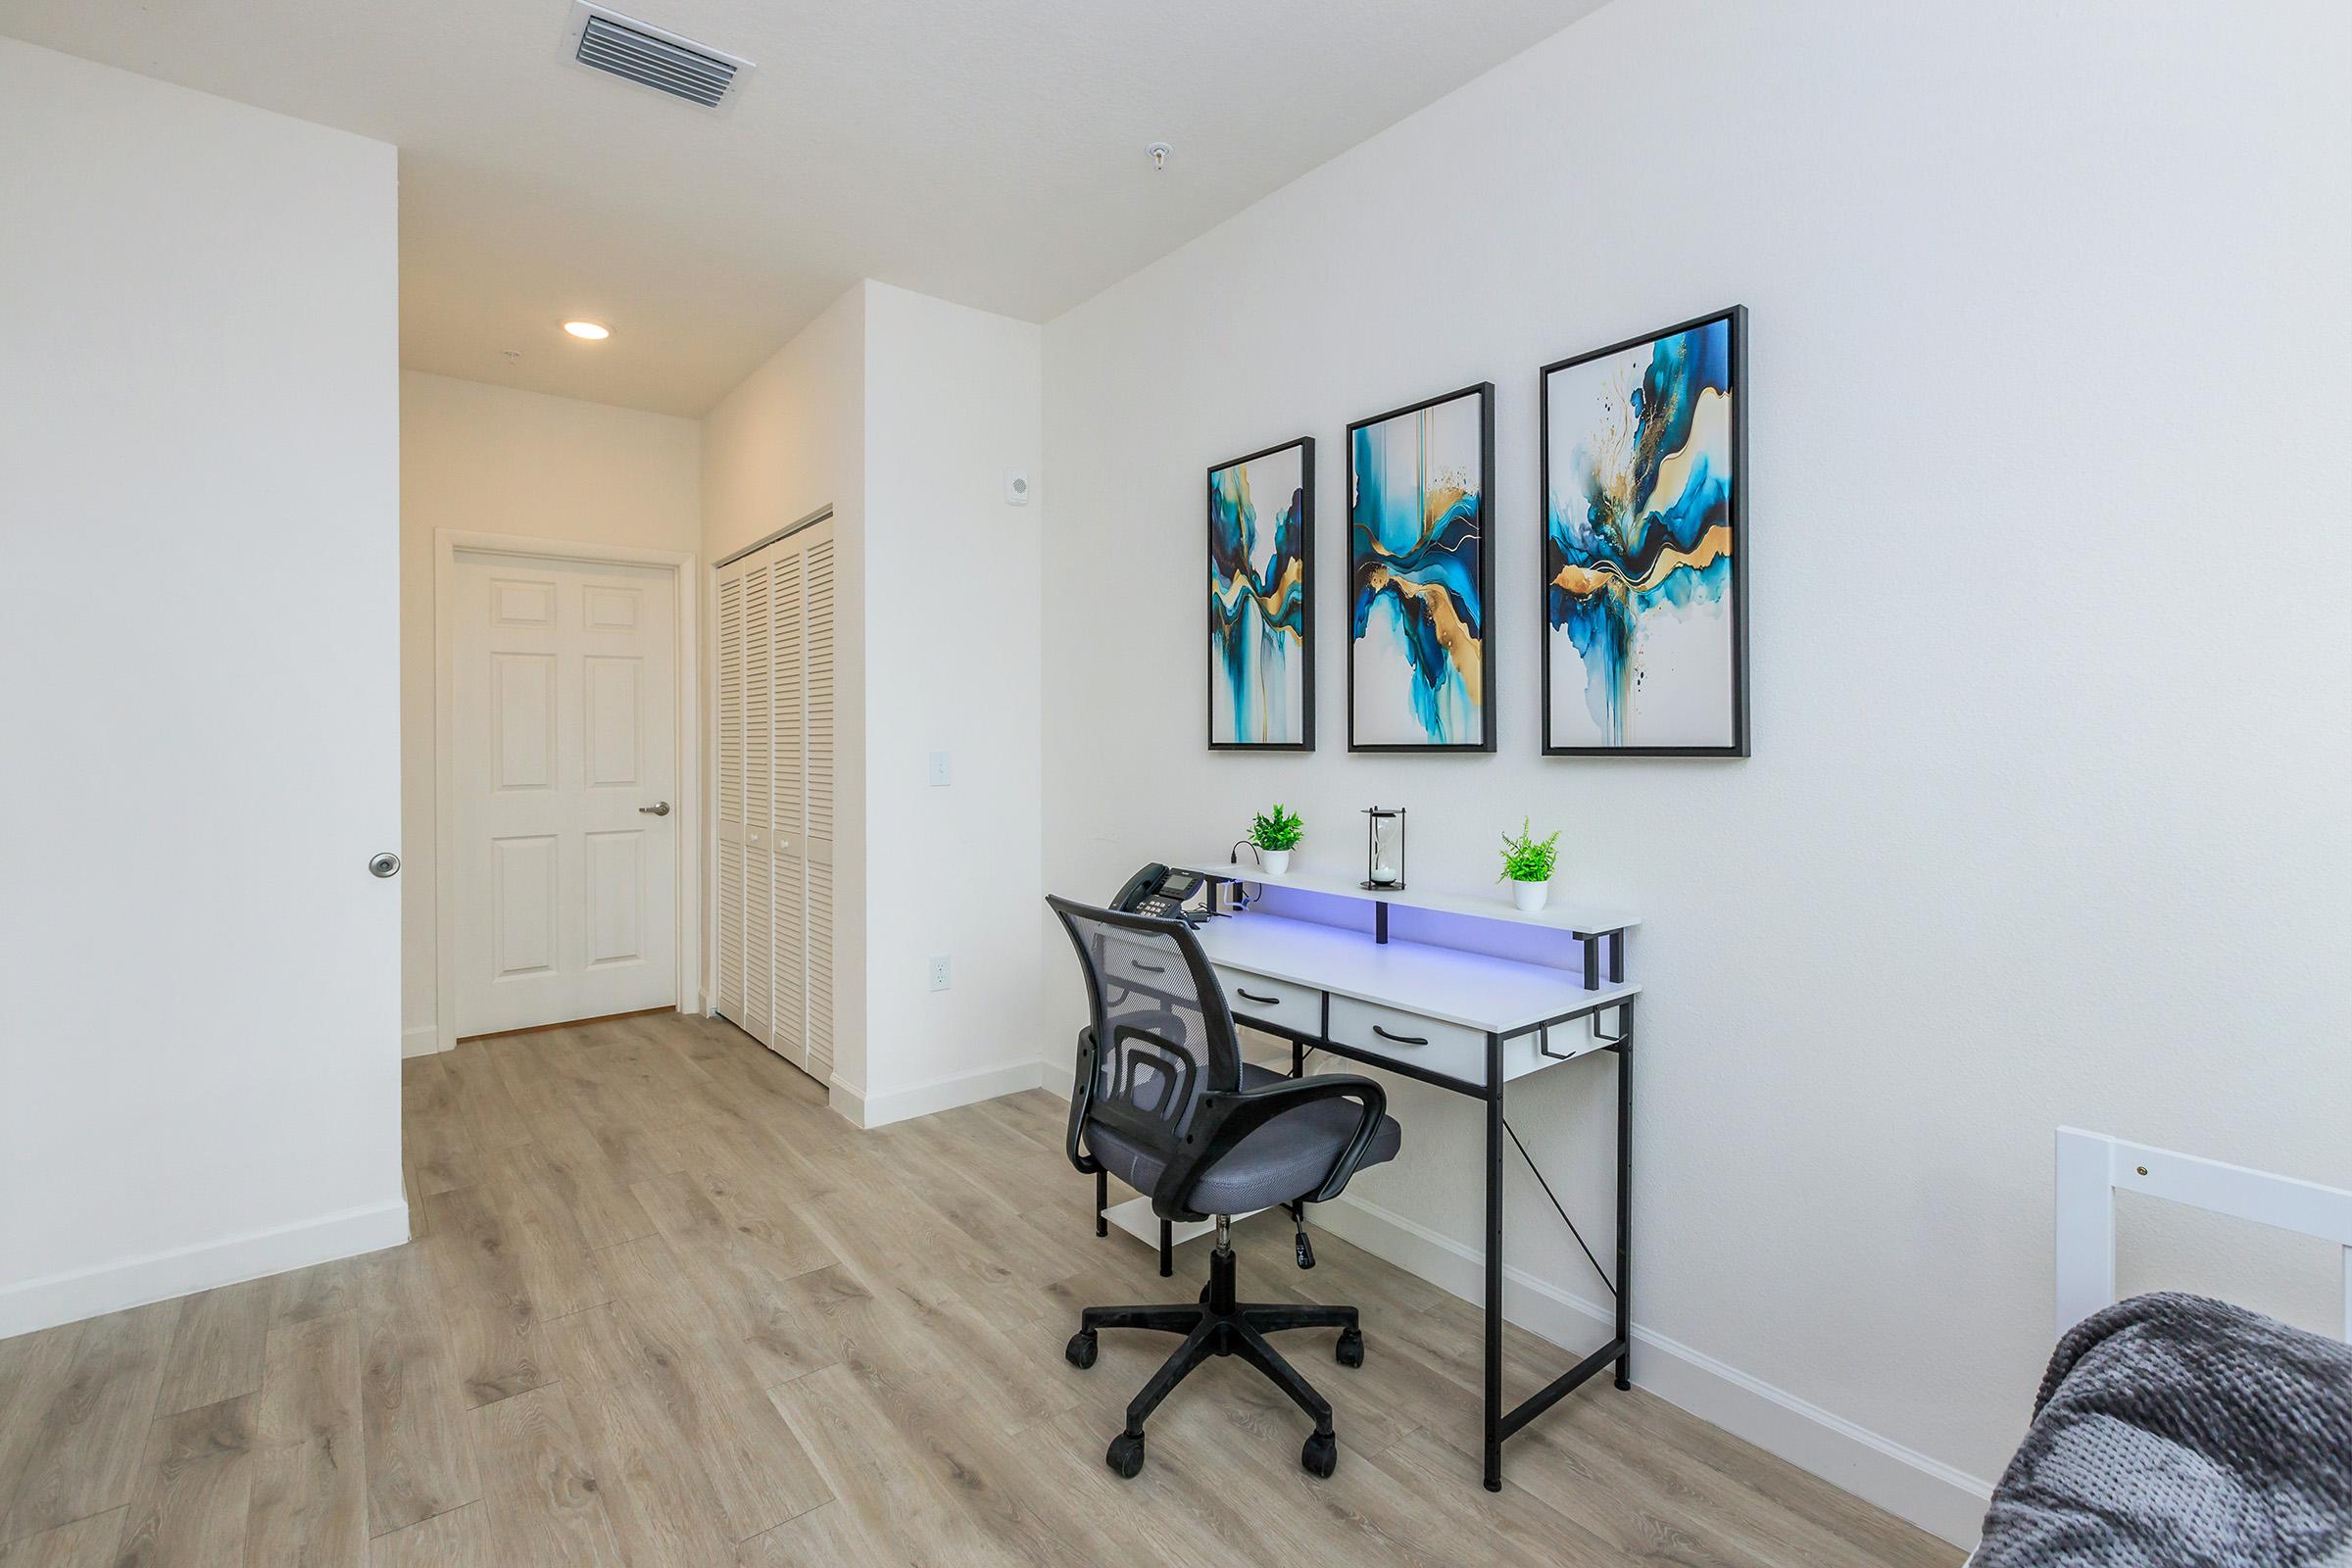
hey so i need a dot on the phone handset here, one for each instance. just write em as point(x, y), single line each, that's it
point(1157, 891)
point(1140, 886)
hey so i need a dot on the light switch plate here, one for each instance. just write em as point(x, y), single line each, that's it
point(940, 772)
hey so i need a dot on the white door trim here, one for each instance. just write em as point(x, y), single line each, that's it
point(684, 581)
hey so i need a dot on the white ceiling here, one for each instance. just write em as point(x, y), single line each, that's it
point(987, 151)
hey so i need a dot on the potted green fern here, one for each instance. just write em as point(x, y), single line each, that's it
point(1527, 863)
point(1275, 834)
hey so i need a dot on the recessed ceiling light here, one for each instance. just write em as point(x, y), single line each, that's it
point(591, 330)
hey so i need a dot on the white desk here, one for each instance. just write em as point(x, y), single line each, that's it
point(1468, 1021)
point(1473, 990)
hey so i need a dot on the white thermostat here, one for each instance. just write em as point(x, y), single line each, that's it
point(1017, 487)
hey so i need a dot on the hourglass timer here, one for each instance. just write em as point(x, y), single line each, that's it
point(1384, 848)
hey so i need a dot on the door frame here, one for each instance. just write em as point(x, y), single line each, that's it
point(684, 578)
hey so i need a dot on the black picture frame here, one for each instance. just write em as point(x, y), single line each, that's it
point(1736, 316)
point(1306, 621)
point(1484, 391)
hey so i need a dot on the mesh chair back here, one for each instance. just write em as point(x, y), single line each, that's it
point(1162, 1037)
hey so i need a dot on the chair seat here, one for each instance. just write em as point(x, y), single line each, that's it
point(1285, 1159)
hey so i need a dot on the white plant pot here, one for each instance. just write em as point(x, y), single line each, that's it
point(1530, 896)
point(1277, 862)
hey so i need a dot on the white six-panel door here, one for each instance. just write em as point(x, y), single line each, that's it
point(776, 764)
point(566, 767)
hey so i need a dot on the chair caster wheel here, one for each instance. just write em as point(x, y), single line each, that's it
point(1126, 1455)
point(1321, 1456)
point(1081, 1349)
point(1350, 1349)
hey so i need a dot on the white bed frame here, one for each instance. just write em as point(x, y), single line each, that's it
point(2094, 1167)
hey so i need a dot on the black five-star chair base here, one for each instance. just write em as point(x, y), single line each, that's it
point(1219, 1325)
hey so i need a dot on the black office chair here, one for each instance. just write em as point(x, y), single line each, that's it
point(1164, 1103)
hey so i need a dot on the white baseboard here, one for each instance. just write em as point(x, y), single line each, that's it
point(1930, 1493)
point(867, 1110)
point(159, 1276)
point(419, 1040)
point(1907, 1483)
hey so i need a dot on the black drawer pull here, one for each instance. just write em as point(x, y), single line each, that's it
point(1251, 996)
point(1403, 1040)
point(1148, 968)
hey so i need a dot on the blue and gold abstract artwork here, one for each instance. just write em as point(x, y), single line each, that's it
point(1262, 649)
point(1642, 550)
point(1418, 482)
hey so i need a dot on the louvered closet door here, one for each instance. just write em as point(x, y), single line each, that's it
point(788, 1034)
point(758, 797)
point(730, 792)
point(820, 760)
point(777, 756)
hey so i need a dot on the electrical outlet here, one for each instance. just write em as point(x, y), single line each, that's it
point(939, 972)
point(941, 771)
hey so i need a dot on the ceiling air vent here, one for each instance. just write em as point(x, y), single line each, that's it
point(623, 46)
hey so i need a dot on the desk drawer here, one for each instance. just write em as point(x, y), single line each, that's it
point(1254, 999)
point(1445, 1048)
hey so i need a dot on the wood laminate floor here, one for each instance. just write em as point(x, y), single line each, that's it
point(666, 1308)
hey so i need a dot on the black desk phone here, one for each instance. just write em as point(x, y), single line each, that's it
point(1161, 893)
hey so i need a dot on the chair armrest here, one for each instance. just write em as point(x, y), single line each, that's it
point(1225, 1117)
point(1082, 1095)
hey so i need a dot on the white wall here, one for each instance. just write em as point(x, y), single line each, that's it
point(953, 610)
point(786, 443)
point(494, 460)
point(2052, 663)
point(902, 413)
point(199, 1068)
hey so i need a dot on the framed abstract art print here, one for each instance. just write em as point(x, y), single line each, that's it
point(1261, 613)
point(1420, 479)
point(1646, 545)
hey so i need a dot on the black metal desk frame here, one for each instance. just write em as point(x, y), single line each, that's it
point(1502, 1424)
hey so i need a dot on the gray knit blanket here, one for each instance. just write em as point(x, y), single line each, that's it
point(2176, 1432)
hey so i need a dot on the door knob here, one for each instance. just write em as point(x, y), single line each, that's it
point(657, 809)
point(385, 864)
